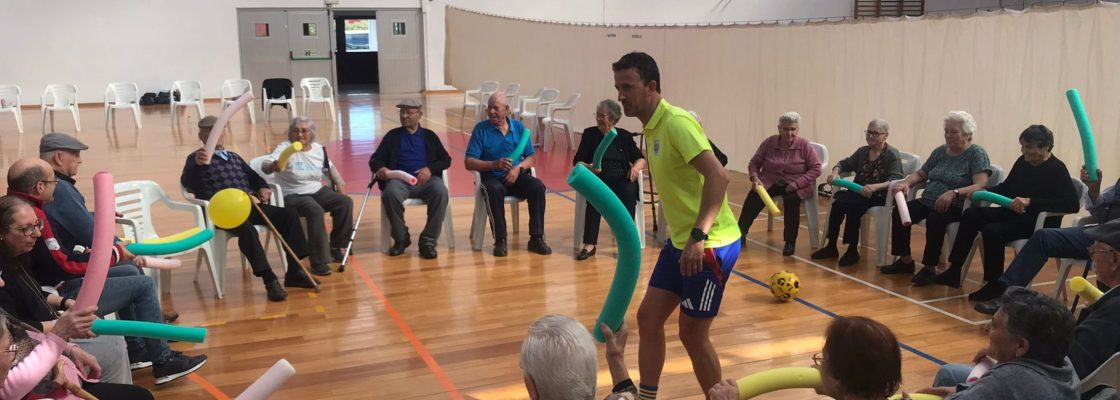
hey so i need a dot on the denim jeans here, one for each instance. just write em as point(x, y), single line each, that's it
point(952, 375)
point(133, 297)
point(1044, 244)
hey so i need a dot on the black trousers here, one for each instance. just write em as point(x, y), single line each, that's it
point(526, 187)
point(999, 226)
point(936, 224)
point(626, 191)
point(104, 390)
point(791, 210)
point(286, 221)
point(851, 206)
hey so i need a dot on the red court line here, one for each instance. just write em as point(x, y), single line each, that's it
point(207, 386)
point(412, 339)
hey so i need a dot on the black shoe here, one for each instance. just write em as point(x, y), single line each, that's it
point(275, 291)
point(787, 250)
point(428, 251)
point(898, 267)
point(321, 269)
point(951, 278)
point(500, 248)
point(987, 307)
point(138, 359)
point(923, 277)
point(176, 366)
point(336, 255)
point(299, 280)
point(170, 316)
point(825, 253)
point(850, 258)
point(398, 247)
point(584, 254)
point(537, 245)
point(990, 291)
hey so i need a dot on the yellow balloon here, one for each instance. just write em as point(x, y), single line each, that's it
point(229, 208)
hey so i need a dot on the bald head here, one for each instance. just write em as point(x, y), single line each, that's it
point(30, 175)
point(497, 108)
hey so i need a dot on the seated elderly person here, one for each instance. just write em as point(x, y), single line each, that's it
point(302, 183)
point(860, 360)
point(875, 166)
point(205, 174)
point(488, 152)
point(952, 172)
point(1103, 206)
point(787, 166)
point(558, 361)
point(1037, 182)
point(1028, 341)
point(418, 151)
point(622, 163)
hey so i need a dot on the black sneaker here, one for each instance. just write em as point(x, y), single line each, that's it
point(825, 253)
point(951, 278)
point(500, 248)
point(850, 258)
point(898, 267)
point(176, 366)
point(428, 251)
point(138, 360)
point(398, 247)
point(299, 280)
point(788, 249)
point(275, 291)
point(336, 254)
point(924, 277)
point(987, 307)
point(990, 291)
point(537, 245)
point(321, 269)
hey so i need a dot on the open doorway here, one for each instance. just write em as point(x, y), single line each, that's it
point(356, 35)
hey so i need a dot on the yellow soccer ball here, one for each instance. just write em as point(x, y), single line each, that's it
point(784, 285)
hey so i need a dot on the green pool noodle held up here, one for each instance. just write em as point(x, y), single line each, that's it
point(152, 330)
point(521, 144)
point(629, 247)
point(1088, 145)
point(600, 151)
point(160, 249)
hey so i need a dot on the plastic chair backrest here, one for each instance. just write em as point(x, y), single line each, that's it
point(512, 89)
point(549, 95)
point(257, 164)
point(122, 93)
point(1106, 374)
point(234, 88)
point(316, 88)
point(822, 153)
point(61, 94)
point(10, 96)
point(910, 163)
point(996, 177)
point(134, 201)
point(189, 91)
point(278, 88)
point(489, 87)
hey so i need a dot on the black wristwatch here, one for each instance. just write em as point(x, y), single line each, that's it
point(698, 235)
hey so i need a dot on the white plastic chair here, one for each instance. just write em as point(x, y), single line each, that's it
point(1107, 374)
point(286, 101)
point(480, 218)
point(517, 104)
point(483, 94)
point(9, 102)
point(881, 214)
point(551, 119)
point(448, 227)
point(235, 88)
point(531, 108)
point(122, 95)
point(812, 204)
point(317, 90)
point(639, 216)
point(951, 230)
point(512, 90)
point(60, 97)
point(1066, 264)
point(190, 93)
point(134, 200)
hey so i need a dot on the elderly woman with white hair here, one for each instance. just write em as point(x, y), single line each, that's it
point(952, 172)
point(788, 167)
point(558, 361)
point(302, 182)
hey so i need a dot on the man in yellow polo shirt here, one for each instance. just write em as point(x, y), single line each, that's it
point(694, 266)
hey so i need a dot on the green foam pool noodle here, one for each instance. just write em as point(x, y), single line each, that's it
point(1088, 145)
point(993, 198)
point(597, 162)
point(151, 330)
point(159, 249)
point(521, 144)
point(846, 184)
point(629, 246)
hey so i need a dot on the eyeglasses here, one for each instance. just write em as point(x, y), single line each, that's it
point(818, 359)
point(30, 229)
point(46, 181)
point(1093, 251)
point(873, 133)
point(10, 355)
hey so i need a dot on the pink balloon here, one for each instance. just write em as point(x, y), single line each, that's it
point(403, 176)
point(102, 251)
point(223, 119)
point(158, 263)
point(903, 210)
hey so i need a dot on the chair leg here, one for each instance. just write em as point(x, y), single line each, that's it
point(571, 142)
point(252, 113)
point(108, 116)
point(384, 231)
point(19, 119)
point(201, 111)
point(812, 213)
point(330, 105)
point(77, 119)
point(515, 213)
point(136, 115)
point(448, 227)
point(578, 227)
point(478, 222)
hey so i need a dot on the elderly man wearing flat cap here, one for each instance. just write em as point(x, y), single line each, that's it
point(417, 151)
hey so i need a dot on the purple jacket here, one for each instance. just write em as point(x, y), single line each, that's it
point(798, 164)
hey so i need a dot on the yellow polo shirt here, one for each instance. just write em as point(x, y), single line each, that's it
point(673, 139)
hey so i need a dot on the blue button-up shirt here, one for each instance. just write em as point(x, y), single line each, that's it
point(488, 144)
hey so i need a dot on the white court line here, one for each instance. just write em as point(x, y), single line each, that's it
point(944, 298)
point(874, 286)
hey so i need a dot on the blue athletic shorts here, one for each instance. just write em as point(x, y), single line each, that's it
point(701, 293)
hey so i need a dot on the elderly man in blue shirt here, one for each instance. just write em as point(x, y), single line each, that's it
point(488, 152)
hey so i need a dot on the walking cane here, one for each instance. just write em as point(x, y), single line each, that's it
point(354, 232)
point(291, 252)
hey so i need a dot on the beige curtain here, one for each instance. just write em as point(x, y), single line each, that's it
point(1008, 69)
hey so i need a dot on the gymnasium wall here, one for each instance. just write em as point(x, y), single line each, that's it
point(1009, 69)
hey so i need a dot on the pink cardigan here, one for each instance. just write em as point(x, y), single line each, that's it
point(31, 370)
point(798, 164)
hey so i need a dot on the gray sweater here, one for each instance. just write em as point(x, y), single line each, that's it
point(1024, 379)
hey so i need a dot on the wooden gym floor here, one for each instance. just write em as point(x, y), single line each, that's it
point(406, 328)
